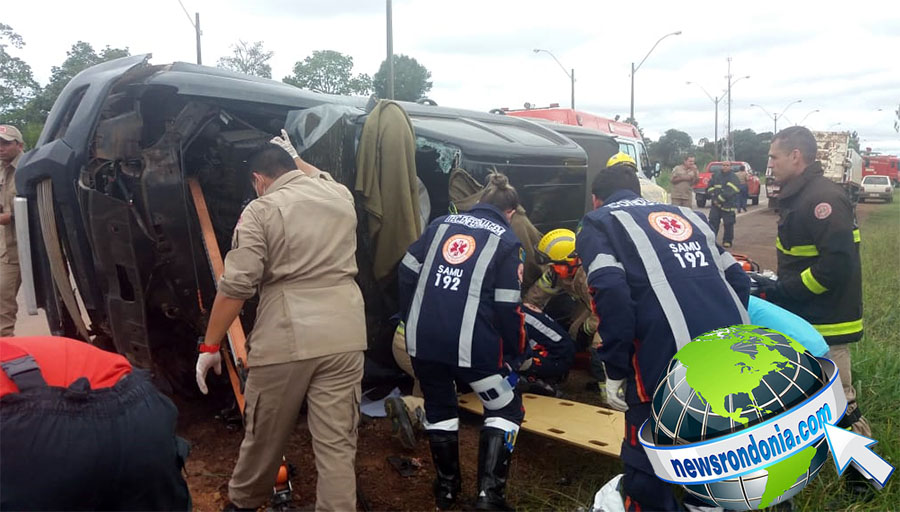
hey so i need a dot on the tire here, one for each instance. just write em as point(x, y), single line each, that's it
point(701, 202)
point(754, 200)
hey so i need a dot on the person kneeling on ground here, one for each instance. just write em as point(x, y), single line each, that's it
point(81, 430)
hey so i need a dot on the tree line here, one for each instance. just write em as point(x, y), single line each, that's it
point(26, 103)
point(749, 146)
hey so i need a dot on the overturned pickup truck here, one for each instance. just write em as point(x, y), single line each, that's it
point(110, 243)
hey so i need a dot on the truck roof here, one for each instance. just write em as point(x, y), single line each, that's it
point(578, 118)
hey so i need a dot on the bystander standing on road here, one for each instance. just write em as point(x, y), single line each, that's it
point(296, 246)
point(11, 146)
point(684, 177)
point(742, 176)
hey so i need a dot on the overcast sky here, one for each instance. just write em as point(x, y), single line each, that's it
point(838, 57)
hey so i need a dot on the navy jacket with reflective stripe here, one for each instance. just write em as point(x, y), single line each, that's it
point(657, 279)
point(460, 290)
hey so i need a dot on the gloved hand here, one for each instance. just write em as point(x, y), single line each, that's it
point(766, 288)
point(615, 394)
point(205, 361)
point(284, 142)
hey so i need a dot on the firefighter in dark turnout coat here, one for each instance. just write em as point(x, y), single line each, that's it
point(819, 272)
point(658, 280)
point(460, 294)
point(724, 195)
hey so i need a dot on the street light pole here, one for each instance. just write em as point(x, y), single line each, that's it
point(390, 49)
point(570, 75)
point(774, 117)
point(634, 69)
point(716, 128)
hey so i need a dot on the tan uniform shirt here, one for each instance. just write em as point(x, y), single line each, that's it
point(296, 244)
point(742, 177)
point(8, 248)
point(683, 189)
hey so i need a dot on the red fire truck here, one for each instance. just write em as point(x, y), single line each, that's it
point(883, 165)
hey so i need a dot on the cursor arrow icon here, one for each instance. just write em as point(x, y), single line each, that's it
point(851, 448)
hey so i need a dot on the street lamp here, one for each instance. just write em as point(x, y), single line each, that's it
point(832, 125)
point(811, 112)
point(729, 144)
point(634, 69)
point(776, 116)
point(570, 75)
point(716, 101)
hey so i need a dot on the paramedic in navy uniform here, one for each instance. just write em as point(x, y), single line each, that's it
point(460, 294)
point(657, 280)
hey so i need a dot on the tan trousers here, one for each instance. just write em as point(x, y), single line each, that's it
point(677, 201)
point(840, 354)
point(10, 280)
point(274, 393)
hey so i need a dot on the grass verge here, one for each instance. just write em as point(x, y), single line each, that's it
point(566, 478)
point(876, 363)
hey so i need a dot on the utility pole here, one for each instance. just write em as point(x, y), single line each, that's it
point(716, 129)
point(729, 149)
point(197, 29)
point(390, 51)
point(572, 76)
point(631, 111)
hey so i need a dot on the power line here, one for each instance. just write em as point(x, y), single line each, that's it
point(186, 13)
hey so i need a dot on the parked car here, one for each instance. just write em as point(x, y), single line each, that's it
point(715, 167)
point(875, 186)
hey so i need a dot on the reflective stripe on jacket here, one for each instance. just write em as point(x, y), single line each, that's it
point(658, 280)
point(460, 291)
point(818, 256)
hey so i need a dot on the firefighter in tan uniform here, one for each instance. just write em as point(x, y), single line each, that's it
point(296, 245)
point(11, 145)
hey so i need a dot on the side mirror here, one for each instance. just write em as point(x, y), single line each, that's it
point(657, 169)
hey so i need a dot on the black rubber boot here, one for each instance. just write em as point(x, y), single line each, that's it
point(445, 454)
point(493, 468)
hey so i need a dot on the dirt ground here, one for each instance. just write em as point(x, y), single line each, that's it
point(540, 465)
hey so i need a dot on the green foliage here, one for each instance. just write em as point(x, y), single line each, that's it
point(80, 57)
point(671, 147)
point(17, 84)
point(329, 71)
point(752, 147)
point(411, 79)
point(248, 58)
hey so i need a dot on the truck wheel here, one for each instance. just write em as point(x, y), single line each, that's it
point(755, 200)
point(701, 202)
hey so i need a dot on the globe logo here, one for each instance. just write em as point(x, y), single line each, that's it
point(739, 417)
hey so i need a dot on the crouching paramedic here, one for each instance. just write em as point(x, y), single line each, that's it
point(81, 430)
point(657, 279)
point(460, 289)
point(296, 244)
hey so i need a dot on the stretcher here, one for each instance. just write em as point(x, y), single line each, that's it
point(236, 353)
point(586, 426)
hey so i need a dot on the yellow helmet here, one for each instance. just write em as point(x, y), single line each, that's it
point(621, 158)
point(558, 246)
